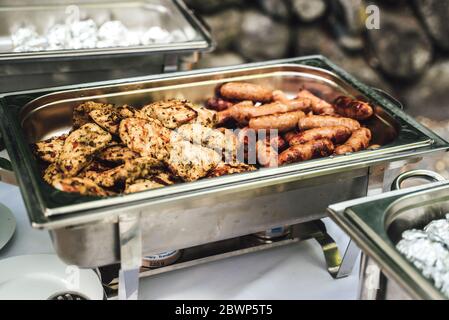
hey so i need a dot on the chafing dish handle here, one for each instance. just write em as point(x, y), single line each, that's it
point(388, 96)
point(424, 174)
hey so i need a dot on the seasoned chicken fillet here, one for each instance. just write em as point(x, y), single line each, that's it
point(108, 118)
point(82, 186)
point(205, 117)
point(81, 112)
point(49, 150)
point(224, 143)
point(191, 162)
point(171, 113)
point(116, 154)
point(145, 137)
point(80, 146)
point(128, 172)
point(52, 173)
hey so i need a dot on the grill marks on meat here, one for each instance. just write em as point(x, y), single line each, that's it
point(310, 150)
point(49, 150)
point(359, 140)
point(191, 162)
point(355, 109)
point(171, 113)
point(146, 137)
point(311, 122)
point(205, 117)
point(337, 135)
point(80, 146)
point(245, 91)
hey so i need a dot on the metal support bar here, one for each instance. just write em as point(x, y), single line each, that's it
point(130, 256)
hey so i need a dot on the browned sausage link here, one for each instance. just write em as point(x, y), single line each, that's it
point(218, 104)
point(290, 135)
point(337, 135)
point(242, 112)
point(266, 154)
point(278, 143)
point(307, 151)
point(319, 106)
point(359, 140)
point(282, 122)
point(303, 104)
point(354, 109)
point(311, 122)
point(245, 91)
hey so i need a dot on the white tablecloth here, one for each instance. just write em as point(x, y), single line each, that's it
point(296, 271)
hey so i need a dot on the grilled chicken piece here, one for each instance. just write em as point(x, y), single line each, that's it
point(146, 137)
point(82, 186)
point(230, 168)
point(52, 173)
point(80, 146)
point(191, 162)
point(116, 154)
point(48, 150)
point(223, 143)
point(127, 111)
point(142, 185)
point(81, 112)
point(92, 169)
point(128, 172)
point(171, 113)
point(165, 178)
point(205, 117)
point(108, 118)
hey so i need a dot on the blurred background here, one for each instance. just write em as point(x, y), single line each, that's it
point(408, 56)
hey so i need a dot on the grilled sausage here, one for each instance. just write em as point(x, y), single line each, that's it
point(218, 104)
point(242, 112)
point(337, 135)
point(245, 91)
point(307, 151)
point(354, 109)
point(311, 122)
point(303, 104)
point(359, 140)
point(289, 135)
point(282, 122)
point(319, 106)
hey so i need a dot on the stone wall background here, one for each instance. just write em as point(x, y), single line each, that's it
point(408, 56)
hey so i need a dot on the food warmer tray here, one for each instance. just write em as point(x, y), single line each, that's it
point(91, 232)
point(40, 69)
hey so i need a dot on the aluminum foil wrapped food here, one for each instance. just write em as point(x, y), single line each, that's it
point(86, 34)
point(428, 250)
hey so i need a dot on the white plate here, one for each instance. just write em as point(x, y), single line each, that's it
point(39, 277)
point(7, 225)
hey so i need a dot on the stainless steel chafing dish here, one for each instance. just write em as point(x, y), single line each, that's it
point(91, 232)
point(376, 224)
point(28, 70)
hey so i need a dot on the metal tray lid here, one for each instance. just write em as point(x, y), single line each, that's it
point(376, 224)
point(172, 15)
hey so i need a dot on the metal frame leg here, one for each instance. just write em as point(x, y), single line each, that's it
point(337, 266)
point(130, 256)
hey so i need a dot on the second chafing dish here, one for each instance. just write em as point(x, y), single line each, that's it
point(377, 225)
point(85, 230)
